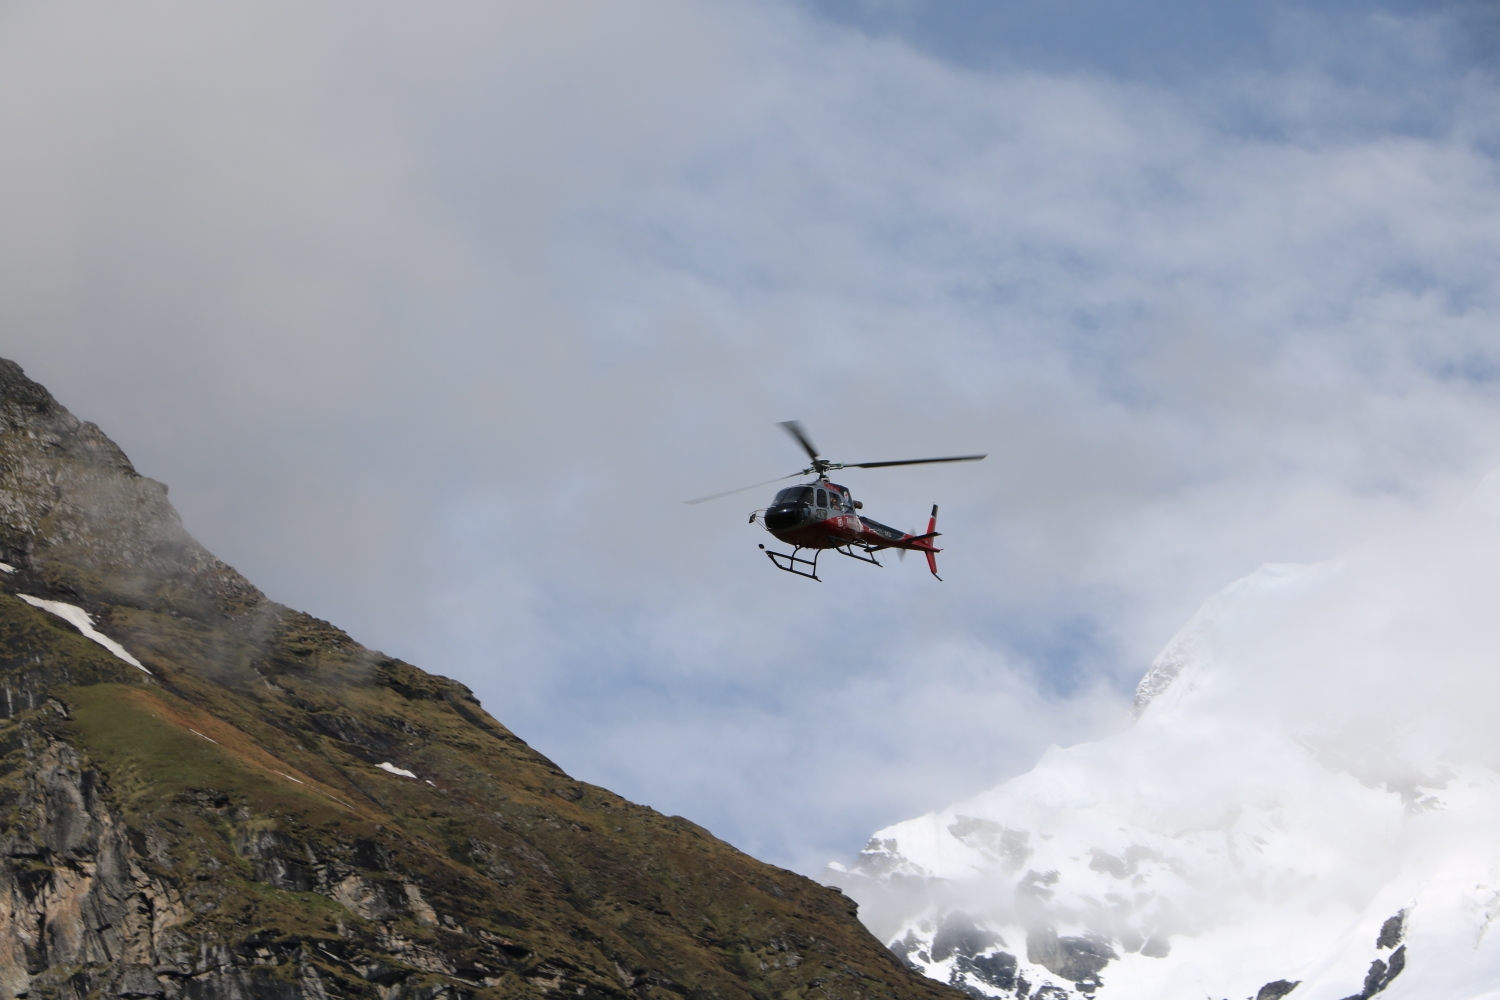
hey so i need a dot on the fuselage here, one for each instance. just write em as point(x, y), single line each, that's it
point(822, 515)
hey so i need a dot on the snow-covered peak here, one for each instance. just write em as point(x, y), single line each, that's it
point(1313, 755)
point(1187, 646)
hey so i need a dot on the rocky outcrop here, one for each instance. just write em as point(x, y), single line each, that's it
point(1078, 960)
point(73, 892)
point(73, 508)
point(1384, 971)
point(1276, 990)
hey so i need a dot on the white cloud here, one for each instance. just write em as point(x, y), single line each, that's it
point(431, 320)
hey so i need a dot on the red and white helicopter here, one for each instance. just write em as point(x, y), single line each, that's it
point(822, 515)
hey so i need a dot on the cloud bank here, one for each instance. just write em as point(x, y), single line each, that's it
point(431, 320)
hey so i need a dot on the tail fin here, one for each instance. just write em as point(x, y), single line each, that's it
point(931, 556)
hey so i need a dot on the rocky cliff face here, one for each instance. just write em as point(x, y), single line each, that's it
point(236, 800)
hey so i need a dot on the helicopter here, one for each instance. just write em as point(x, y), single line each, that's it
point(822, 515)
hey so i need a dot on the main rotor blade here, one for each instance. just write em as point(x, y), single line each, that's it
point(742, 489)
point(794, 428)
point(914, 461)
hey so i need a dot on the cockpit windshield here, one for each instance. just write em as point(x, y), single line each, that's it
point(795, 495)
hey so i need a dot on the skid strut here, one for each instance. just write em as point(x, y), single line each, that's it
point(793, 563)
point(864, 553)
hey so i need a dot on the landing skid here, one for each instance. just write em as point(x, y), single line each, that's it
point(864, 553)
point(798, 565)
point(793, 563)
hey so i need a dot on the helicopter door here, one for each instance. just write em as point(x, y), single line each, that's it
point(822, 503)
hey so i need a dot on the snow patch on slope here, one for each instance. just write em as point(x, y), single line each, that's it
point(1314, 753)
point(84, 622)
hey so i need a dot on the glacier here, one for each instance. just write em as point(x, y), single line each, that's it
point(1307, 805)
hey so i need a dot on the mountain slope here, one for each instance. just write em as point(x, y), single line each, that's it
point(238, 800)
point(1308, 805)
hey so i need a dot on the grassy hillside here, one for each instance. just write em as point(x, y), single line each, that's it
point(219, 827)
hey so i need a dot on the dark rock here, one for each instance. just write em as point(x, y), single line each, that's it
point(1381, 974)
point(905, 948)
point(1076, 959)
point(1122, 867)
point(1156, 946)
point(1034, 884)
point(138, 982)
point(991, 837)
point(1277, 990)
point(1391, 931)
point(997, 970)
point(958, 935)
point(256, 983)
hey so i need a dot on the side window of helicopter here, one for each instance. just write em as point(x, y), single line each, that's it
point(822, 498)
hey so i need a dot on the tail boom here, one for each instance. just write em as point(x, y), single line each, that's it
point(874, 536)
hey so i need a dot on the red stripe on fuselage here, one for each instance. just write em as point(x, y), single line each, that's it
point(845, 529)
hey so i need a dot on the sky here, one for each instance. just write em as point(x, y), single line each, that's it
point(432, 318)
